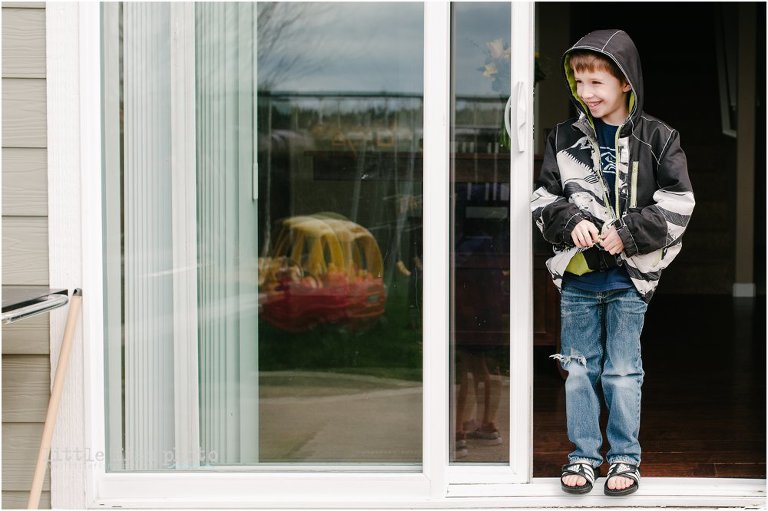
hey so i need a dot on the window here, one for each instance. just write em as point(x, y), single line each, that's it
point(480, 231)
point(263, 234)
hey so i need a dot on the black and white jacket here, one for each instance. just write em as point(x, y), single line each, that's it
point(654, 198)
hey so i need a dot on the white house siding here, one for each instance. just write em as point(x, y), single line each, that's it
point(25, 357)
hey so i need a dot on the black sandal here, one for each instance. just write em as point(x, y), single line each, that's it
point(623, 470)
point(582, 469)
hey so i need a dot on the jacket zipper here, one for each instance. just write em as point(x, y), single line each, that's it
point(617, 156)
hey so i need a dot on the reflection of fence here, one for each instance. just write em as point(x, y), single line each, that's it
point(477, 124)
point(347, 121)
point(377, 121)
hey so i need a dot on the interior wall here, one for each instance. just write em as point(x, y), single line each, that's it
point(553, 23)
point(760, 153)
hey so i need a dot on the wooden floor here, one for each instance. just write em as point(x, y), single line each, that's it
point(704, 395)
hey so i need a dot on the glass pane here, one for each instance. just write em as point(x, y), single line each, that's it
point(340, 123)
point(262, 234)
point(480, 233)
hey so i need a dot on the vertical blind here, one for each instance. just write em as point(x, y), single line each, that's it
point(148, 262)
point(227, 227)
point(188, 253)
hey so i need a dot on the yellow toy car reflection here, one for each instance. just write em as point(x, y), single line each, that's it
point(323, 269)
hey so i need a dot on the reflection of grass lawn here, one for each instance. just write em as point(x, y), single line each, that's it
point(389, 349)
point(397, 373)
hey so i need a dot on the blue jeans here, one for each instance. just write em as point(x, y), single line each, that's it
point(600, 340)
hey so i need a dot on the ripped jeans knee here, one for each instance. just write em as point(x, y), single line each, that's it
point(566, 360)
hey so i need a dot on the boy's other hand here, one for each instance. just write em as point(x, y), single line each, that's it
point(611, 241)
point(585, 234)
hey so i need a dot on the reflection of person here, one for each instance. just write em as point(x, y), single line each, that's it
point(475, 362)
point(613, 199)
point(480, 325)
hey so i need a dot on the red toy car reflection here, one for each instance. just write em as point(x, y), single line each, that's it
point(324, 269)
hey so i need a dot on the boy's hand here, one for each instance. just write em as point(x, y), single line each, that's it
point(585, 234)
point(611, 241)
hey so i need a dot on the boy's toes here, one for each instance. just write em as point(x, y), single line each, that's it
point(619, 483)
point(623, 479)
point(577, 478)
point(574, 481)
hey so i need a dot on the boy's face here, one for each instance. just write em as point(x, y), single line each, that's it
point(604, 94)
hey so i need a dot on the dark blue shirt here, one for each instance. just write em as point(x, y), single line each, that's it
point(615, 278)
point(606, 140)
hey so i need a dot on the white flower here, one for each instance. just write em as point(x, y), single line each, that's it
point(496, 48)
point(490, 70)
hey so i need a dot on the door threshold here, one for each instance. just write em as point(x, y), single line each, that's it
point(654, 492)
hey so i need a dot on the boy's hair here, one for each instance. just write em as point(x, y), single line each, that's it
point(581, 60)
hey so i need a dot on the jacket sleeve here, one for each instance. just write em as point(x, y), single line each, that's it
point(661, 224)
point(555, 216)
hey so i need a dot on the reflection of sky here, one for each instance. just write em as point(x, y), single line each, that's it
point(375, 47)
point(475, 25)
point(354, 47)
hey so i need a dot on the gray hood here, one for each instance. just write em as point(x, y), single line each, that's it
point(617, 46)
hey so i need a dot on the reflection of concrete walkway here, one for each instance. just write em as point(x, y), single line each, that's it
point(482, 451)
point(319, 417)
point(333, 417)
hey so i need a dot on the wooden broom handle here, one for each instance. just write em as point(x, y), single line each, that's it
point(53, 404)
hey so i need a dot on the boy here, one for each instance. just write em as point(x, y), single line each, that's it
point(614, 199)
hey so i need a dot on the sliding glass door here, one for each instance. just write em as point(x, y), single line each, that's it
point(284, 184)
point(340, 122)
point(266, 290)
point(490, 176)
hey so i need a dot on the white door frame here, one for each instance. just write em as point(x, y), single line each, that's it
point(75, 212)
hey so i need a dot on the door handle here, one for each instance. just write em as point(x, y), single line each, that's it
point(519, 132)
point(507, 115)
point(522, 116)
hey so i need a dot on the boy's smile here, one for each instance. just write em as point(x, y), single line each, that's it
point(604, 94)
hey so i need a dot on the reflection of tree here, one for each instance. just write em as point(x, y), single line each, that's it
point(281, 35)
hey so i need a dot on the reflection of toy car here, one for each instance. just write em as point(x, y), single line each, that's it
point(323, 269)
